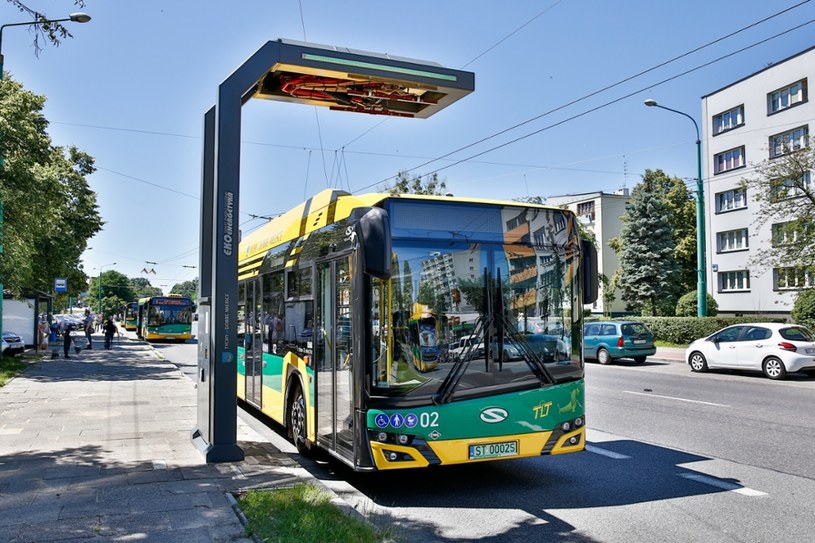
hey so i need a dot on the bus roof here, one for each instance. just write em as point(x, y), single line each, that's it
point(331, 205)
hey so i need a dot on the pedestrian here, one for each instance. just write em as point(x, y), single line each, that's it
point(66, 337)
point(43, 331)
point(88, 323)
point(109, 328)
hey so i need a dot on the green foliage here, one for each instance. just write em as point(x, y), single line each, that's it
point(683, 330)
point(803, 311)
point(142, 288)
point(187, 288)
point(785, 199)
point(648, 267)
point(303, 513)
point(688, 304)
point(50, 211)
point(405, 184)
point(111, 284)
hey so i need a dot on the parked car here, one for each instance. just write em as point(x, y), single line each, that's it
point(773, 348)
point(550, 348)
point(12, 344)
point(607, 341)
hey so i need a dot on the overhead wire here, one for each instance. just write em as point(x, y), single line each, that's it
point(594, 93)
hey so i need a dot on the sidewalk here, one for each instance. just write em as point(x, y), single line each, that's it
point(97, 447)
point(669, 354)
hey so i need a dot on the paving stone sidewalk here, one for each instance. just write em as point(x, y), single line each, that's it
point(97, 448)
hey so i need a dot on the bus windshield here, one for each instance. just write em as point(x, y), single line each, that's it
point(169, 311)
point(478, 291)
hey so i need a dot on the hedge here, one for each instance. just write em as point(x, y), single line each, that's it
point(684, 330)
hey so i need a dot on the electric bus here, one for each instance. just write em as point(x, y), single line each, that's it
point(165, 318)
point(323, 347)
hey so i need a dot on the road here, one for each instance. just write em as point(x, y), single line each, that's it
point(672, 456)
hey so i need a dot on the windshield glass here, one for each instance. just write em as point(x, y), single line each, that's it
point(170, 311)
point(435, 314)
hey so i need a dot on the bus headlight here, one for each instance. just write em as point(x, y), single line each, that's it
point(566, 426)
point(382, 437)
point(403, 439)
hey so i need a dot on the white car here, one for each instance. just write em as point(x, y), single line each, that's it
point(773, 348)
point(12, 344)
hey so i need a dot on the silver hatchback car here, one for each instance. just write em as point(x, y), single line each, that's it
point(772, 348)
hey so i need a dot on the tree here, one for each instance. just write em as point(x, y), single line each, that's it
point(405, 184)
point(111, 284)
point(803, 311)
point(682, 216)
point(142, 288)
point(46, 31)
point(784, 191)
point(50, 211)
point(648, 268)
point(187, 288)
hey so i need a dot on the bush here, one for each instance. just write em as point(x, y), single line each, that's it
point(803, 311)
point(683, 330)
point(687, 306)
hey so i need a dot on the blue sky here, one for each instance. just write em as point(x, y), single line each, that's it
point(131, 88)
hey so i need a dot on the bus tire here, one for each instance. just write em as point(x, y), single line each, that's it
point(298, 420)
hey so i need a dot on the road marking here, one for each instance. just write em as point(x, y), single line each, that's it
point(674, 398)
point(606, 452)
point(725, 485)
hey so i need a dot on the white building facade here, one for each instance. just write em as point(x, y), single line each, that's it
point(745, 123)
point(600, 212)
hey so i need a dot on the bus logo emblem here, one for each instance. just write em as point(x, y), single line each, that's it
point(492, 415)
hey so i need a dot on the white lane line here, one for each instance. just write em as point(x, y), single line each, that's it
point(674, 398)
point(725, 485)
point(606, 452)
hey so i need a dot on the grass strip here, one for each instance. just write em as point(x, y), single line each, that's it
point(9, 367)
point(302, 513)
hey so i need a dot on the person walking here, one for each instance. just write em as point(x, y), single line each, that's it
point(66, 338)
point(109, 328)
point(88, 324)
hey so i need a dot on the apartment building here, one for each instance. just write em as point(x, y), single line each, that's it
point(600, 213)
point(757, 118)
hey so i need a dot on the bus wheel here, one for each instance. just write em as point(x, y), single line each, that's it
point(298, 421)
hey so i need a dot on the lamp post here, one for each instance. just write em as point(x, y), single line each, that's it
point(73, 17)
point(99, 308)
point(701, 281)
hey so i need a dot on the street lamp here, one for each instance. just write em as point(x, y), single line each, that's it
point(75, 17)
point(99, 308)
point(701, 282)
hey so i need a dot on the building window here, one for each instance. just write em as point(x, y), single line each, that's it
point(586, 209)
point(733, 281)
point(783, 189)
point(787, 97)
point(729, 160)
point(730, 200)
point(792, 278)
point(789, 141)
point(732, 240)
point(728, 120)
point(790, 232)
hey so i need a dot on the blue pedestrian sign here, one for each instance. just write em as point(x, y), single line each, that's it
point(61, 284)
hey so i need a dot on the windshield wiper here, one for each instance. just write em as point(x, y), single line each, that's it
point(492, 320)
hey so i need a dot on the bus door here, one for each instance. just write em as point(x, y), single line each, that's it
point(334, 360)
point(253, 342)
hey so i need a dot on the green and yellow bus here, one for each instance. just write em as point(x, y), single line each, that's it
point(322, 286)
point(165, 318)
point(131, 317)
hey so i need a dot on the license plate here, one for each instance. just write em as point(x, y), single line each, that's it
point(639, 341)
point(494, 450)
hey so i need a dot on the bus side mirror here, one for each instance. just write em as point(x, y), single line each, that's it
point(588, 263)
point(374, 235)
